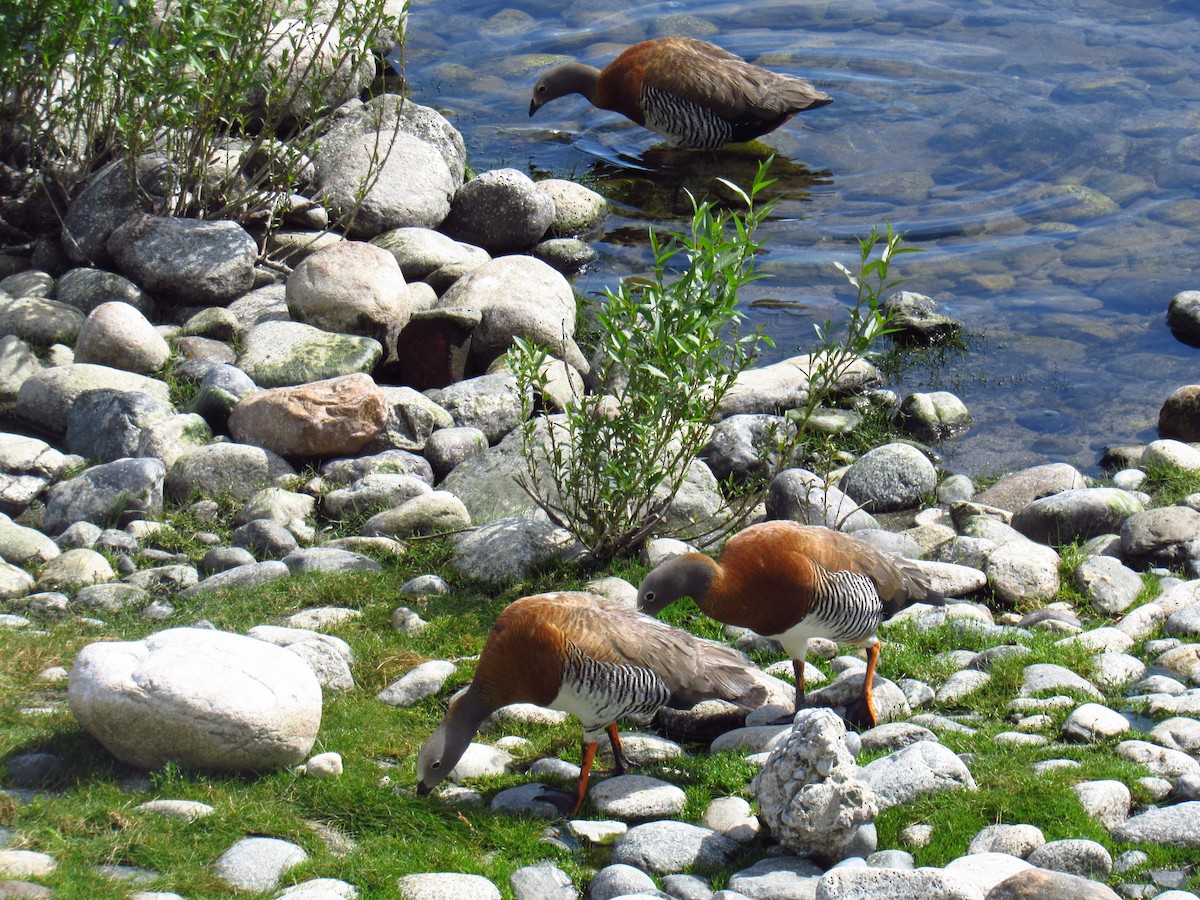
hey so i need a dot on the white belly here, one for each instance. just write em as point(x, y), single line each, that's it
point(795, 639)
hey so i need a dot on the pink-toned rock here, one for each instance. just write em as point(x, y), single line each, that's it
point(334, 417)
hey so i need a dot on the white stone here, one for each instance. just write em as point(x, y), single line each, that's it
point(922, 768)
point(637, 797)
point(862, 883)
point(1160, 761)
point(324, 765)
point(418, 683)
point(810, 793)
point(986, 870)
point(1094, 722)
point(26, 863)
point(118, 335)
point(599, 833)
point(257, 863)
point(199, 698)
point(1107, 801)
point(187, 810)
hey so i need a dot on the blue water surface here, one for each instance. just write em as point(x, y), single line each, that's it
point(1044, 155)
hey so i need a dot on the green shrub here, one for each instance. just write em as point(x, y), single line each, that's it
point(212, 85)
point(668, 353)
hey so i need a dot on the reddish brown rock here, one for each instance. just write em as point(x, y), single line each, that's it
point(334, 417)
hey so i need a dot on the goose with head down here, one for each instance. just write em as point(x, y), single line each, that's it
point(794, 582)
point(693, 93)
point(595, 658)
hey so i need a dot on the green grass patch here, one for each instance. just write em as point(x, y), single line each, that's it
point(89, 815)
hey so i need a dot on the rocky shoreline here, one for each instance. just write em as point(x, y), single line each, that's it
point(371, 384)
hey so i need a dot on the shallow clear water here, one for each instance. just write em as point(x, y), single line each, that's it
point(1044, 155)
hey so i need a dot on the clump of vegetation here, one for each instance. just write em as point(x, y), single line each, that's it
point(668, 353)
point(840, 349)
point(211, 86)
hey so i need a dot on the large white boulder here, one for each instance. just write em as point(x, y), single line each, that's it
point(198, 698)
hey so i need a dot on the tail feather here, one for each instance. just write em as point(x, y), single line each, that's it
point(915, 588)
point(716, 672)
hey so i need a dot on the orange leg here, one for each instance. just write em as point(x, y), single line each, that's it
point(798, 668)
point(618, 753)
point(869, 684)
point(589, 754)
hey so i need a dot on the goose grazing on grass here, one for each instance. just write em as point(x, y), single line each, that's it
point(595, 658)
point(793, 582)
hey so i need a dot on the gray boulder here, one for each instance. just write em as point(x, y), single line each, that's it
point(488, 483)
point(420, 682)
point(742, 446)
point(281, 354)
point(784, 385)
point(112, 493)
point(515, 296)
point(805, 497)
point(107, 425)
point(1037, 883)
point(935, 416)
point(448, 447)
point(108, 199)
point(1076, 514)
point(347, 471)
point(511, 548)
point(1019, 488)
point(917, 319)
point(1159, 536)
point(502, 211)
point(373, 493)
point(412, 419)
point(40, 320)
point(200, 261)
point(437, 512)
point(889, 478)
point(22, 545)
point(27, 467)
point(667, 846)
point(221, 388)
point(578, 210)
point(922, 768)
point(85, 288)
point(1111, 586)
point(1020, 570)
point(412, 186)
point(118, 335)
point(1183, 315)
point(18, 363)
point(423, 251)
point(542, 882)
point(351, 288)
point(446, 886)
point(225, 469)
point(619, 880)
point(258, 863)
point(489, 402)
point(46, 398)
